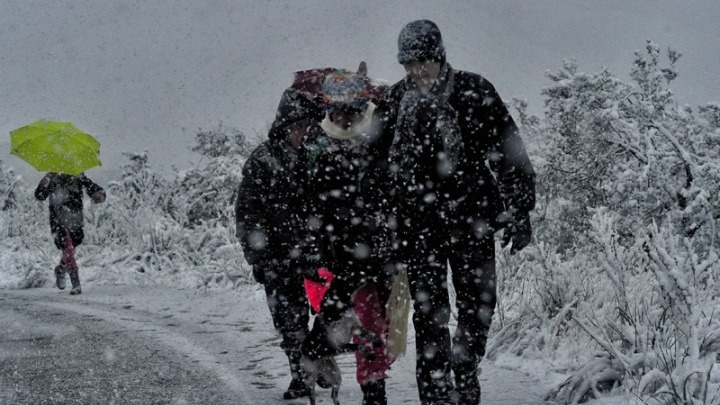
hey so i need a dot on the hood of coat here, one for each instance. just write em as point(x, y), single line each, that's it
point(293, 107)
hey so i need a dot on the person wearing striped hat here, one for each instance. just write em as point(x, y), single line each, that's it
point(345, 232)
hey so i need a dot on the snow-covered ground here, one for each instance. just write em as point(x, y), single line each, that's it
point(230, 334)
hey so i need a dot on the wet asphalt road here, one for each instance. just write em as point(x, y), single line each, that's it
point(51, 356)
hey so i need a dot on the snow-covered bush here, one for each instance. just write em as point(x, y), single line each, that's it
point(178, 225)
point(222, 141)
point(8, 183)
point(134, 207)
point(24, 226)
point(625, 267)
point(208, 190)
point(206, 204)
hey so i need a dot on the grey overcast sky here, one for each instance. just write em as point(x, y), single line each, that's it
point(147, 75)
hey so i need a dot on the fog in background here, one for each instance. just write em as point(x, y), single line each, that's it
point(147, 75)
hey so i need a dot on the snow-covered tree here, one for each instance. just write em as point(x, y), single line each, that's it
point(208, 190)
point(630, 186)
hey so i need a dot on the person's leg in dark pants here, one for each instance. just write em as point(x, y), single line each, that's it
point(59, 238)
point(66, 239)
point(72, 239)
point(289, 310)
point(473, 274)
point(431, 302)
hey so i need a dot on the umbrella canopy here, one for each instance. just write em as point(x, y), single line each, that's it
point(53, 146)
point(309, 83)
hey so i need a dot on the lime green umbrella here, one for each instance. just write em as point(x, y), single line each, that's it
point(53, 146)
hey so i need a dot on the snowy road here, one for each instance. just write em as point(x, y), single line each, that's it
point(129, 344)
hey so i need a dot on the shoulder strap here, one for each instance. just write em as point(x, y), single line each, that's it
point(312, 156)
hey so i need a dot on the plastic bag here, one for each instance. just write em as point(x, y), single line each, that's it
point(398, 310)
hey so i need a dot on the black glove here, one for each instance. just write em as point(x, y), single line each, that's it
point(518, 231)
point(311, 273)
point(258, 274)
point(308, 265)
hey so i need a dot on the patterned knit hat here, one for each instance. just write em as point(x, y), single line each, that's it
point(345, 89)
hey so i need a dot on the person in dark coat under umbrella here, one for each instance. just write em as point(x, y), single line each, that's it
point(267, 215)
point(458, 172)
point(65, 194)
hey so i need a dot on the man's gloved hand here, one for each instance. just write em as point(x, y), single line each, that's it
point(310, 273)
point(258, 274)
point(308, 266)
point(98, 197)
point(518, 231)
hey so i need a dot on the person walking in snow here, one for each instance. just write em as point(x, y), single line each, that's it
point(64, 193)
point(267, 223)
point(345, 231)
point(460, 173)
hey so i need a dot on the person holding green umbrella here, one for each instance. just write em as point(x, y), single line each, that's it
point(64, 193)
point(65, 152)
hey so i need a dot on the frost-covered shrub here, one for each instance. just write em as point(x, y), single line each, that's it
point(134, 206)
point(21, 215)
point(222, 141)
point(8, 184)
point(206, 206)
point(655, 335)
point(629, 198)
point(207, 191)
point(25, 228)
point(627, 147)
point(207, 194)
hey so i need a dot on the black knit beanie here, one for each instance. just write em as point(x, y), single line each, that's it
point(420, 41)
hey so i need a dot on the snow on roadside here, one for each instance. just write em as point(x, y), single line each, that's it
point(230, 333)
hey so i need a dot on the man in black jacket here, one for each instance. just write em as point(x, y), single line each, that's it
point(267, 221)
point(65, 193)
point(458, 173)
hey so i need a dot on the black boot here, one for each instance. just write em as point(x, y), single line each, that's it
point(374, 393)
point(297, 389)
point(60, 276)
point(297, 386)
point(75, 281)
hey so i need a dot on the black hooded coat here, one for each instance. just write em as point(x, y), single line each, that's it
point(269, 200)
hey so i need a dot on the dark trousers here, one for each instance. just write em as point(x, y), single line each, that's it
point(58, 232)
point(288, 307)
point(64, 220)
point(472, 264)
